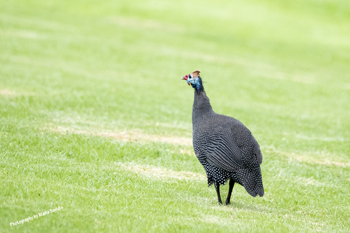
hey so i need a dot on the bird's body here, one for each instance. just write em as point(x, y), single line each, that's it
point(225, 147)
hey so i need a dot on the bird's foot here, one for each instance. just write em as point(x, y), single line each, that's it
point(227, 203)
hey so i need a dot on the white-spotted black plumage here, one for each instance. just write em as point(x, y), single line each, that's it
point(225, 148)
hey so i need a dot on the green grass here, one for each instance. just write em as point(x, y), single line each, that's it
point(75, 75)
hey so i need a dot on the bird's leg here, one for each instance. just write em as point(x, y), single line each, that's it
point(217, 187)
point(232, 183)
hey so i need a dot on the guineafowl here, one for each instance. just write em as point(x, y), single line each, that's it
point(223, 145)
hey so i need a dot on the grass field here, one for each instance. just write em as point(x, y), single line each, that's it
point(94, 116)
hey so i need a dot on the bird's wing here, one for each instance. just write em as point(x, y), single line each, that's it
point(223, 152)
point(257, 151)
point(230, 147)
point(246, 142)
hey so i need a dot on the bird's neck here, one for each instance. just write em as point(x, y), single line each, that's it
point(201, 105)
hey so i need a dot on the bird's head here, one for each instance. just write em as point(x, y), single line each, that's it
point(194, 80)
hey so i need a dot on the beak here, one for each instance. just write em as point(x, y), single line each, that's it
point(185, 77)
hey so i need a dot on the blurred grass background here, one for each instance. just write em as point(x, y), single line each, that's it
point(70, 71)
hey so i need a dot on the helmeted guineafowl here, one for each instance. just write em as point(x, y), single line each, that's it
point(223, 145)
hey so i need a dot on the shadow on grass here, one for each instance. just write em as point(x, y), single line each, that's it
point(237, 205)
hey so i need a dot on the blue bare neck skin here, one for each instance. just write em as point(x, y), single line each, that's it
point(196, 83)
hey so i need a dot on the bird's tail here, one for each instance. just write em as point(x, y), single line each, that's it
point(252, 181)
